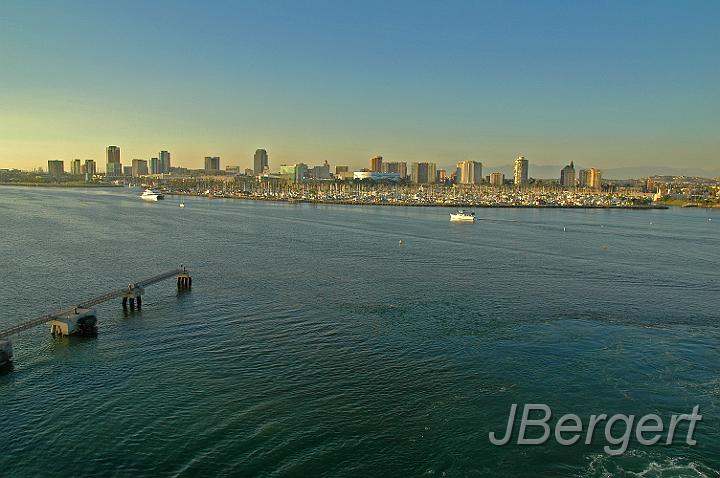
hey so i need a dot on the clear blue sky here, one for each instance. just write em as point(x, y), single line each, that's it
point(606, 83)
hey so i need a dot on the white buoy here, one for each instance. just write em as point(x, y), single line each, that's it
point(564, 229)
point(400, 243)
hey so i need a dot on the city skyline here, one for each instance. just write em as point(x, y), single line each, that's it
point(556, 82)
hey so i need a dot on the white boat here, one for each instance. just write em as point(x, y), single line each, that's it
point(462, 216)
point(152, 195)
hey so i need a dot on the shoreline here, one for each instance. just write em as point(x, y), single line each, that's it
point(409, 204)
point(61, 185)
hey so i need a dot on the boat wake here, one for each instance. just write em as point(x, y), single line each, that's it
point(641, 464)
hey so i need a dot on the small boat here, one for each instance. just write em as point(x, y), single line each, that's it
point(462, 216)
point(152, 195)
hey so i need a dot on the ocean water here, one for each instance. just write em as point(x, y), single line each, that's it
point(313, 343)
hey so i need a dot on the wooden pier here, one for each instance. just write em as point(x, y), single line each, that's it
point(82, 317)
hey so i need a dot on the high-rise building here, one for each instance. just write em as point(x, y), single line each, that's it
point(422, 173)
point(341, 169)
point(113, 154)
point(376, 164)
point(113, 166)
point(321, 172)
point(76, 167)
point(398, 167)
point(127, 171)
point(469, 172)
point(56, 168)
point(294, 172)
point(154, 166)
point(567, 176)
point(440, 176)
point(139, 168)
point(590, 179)
point(521, 171)
point(90, 168)
point(260, 161)
point(595, 179)
point(164, 162)
point(497, 179)
point(212, 164)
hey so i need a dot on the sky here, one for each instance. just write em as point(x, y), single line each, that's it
point(608, 84)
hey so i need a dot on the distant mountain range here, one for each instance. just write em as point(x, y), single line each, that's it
point(629, 172)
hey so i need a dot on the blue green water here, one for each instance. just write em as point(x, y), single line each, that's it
point(313, 343)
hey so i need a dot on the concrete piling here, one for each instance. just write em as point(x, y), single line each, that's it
point(6, 353)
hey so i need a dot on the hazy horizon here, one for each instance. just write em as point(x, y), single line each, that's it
point(612, 86)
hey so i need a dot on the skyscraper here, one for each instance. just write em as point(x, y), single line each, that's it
point(113, 166)
point(567, 176)
point(590, 179)
point(212, 164)
point(497, 179)
point(376, 164)
point(521, 171)
point(139, 168)
point(260, 161)
point(422, 173)
point(154, 166)
point(398, 167)
point(56, 168)
point(75, 167)
point(90, 168)
point(595, 179)
point(164, 162)
point(469, 172)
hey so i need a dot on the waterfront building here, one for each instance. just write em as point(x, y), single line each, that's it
point(567, 176)
point(139, 168)
point(595, 179)
point(113, 166)
point(469, 172)
point(127, 171)
point(395, 167)
point(520, 172)
point(321, 172)
point(376, 164)
point(422, 173)
point(154, 166)
point(294, 172)
point(497, 179)
point(75, 167)
point(440, 176)
point(212, 164)
point(56, 168)
point(260, 162)
point(341, 169)
point(90, 168)
point(164, 162)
